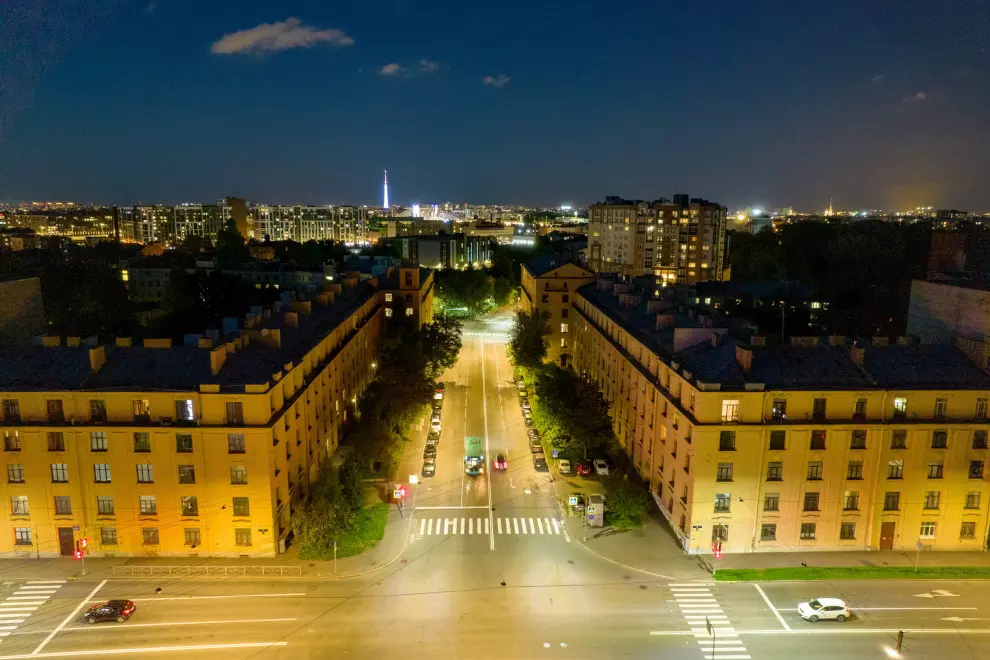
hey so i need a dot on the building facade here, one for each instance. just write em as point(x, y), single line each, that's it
point(820, 444)
point(680, 241)
point(406, 295)
point(345, 224)
point(444, 251)
point(165, 450)
point(548, 285)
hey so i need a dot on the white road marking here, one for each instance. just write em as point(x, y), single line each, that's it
point(447, 508)
point(547, 522)
point(72, 615)
point(499, 525)
point(487, 527)
point(532, 529)
point(146, 649)
point(709, 656)
point(134, 626)
point(539, 524)
point(11, 608)
point(772, 608)
point(22, 598)
point(46, 582)
point(881, 609)
point(430, 533)
point(422, 526)
point(462, 525)
point(515, 525)
point(470, 525)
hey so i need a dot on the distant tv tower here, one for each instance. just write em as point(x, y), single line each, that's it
point(385, 201)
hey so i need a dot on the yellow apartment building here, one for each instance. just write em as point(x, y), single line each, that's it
point(820, 444)
point(203, 449)
point(406, 294)
point(548, 284)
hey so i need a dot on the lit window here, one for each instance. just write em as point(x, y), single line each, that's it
point(409, 311)
point(730, 410)
point(388, 297)
point(388, 312)
point(563, 327)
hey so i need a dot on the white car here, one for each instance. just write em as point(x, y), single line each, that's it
point(435, 425)
point(601, 467)
point(819, 609)
point(564, 466)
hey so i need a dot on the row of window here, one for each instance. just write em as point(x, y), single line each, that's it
point(847, 531)
point(149, 535)
point(812, 500)
point(142, 442)
point(857, 440)
point(854, 470)
point(140, 408)
point(102, 473)
point(147, 505)
point(730, 409)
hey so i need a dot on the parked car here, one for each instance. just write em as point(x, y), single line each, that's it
point(525, 405)
point(564, 466)
point(540, 463)
point(500, 462)
point(528, 421)
point(435, 424)
point(533, 434)
point(430, 451)
point(818, 609)
point(601, 467)
point(433, 437)
point(584, 468)
point(520, 383)
point(111, 610)
point(429, 467)
point(537, 449)
point(437, 404)
point(578, 498)
point(438, 391)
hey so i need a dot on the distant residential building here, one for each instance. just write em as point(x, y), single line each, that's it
point(413, 227)
point(345, 224)
point(147, 224)
point(406, 294)
point(17, 239)
point(676, 241)
point(547, 285)
point(149, 283)
point(443, 251)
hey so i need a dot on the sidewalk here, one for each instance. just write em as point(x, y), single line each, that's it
point(843, 559)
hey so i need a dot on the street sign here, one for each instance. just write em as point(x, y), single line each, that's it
point(591, 516)
point(414, 478)
point(572, 500)
point(75, 528)
point(592, 509)
point(555, 452)
point(398, 493)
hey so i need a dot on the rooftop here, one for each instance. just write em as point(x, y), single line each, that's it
point(706, 346)
point(181, 367)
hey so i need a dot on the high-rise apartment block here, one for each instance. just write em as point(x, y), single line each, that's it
point(346, 224)
point(675, 241)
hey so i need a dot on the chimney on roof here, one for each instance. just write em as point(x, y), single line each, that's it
point(665, 321)
point(744, 356)
point(217, 357)
point(51, 341)
point(97, 356)
point(291, 319)
point(72, 341)
point(123, 342)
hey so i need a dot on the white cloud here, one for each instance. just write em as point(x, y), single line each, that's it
point(878, 79)
point(283, 35)
point(428, 66)
point(392, 69)
point(497, 81)
point(916, 98)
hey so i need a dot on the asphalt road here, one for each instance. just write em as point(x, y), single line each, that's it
point(474, 582)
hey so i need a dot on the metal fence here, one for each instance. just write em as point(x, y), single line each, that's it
point(155, 570)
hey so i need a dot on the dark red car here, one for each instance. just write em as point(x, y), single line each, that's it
point(500, 462)
point(584, 468)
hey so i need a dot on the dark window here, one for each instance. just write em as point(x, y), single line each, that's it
point(727, 441)
point(768, 532)
point(967, 530)
point(56, 415)
point(858, 440)
point(142, 442)
point(771, 502)
point(187, 474)
point(891, 501)
point(811, 501)
point(940, 439)
point(898, 440)
point(779, 410)
point(104, 506)
point(815, 471)
point(847, 531)
point(775, 471)
point(852, 501)
point(98, 410)
point(11, 441)
point(56, 441)
point(722, 502)
point(807, 531)
point(235, 413)
point(777, 440)
point(190, 505)
point(11, 410)
point(108, 536)
point(724, 472)
point(973, 500)
point(183, 443)
point(935, 470)
point(242, 506)
point(976, 469)
point(818, 440)
point(854, 470)
point(150, 535)
point(235, 443)
point(932, 498)
point(979, 439)
point(63, 505)
point(818, 409)
point(859, 410)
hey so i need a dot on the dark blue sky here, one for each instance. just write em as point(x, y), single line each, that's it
point(871, 103)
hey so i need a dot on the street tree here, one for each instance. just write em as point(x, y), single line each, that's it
point(528, 343)
point(572, 413)
point(231, 247)
point(441, 342)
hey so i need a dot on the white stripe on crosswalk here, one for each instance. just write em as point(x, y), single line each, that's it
point(487, 526)
point(539, 524)
point(430, 533)
point(515, 525)
point(499, 521)
point(470, 525)
point(422, 526)
point(45, 582)
point(462, 525)
point(465, 525)
point(532, 530)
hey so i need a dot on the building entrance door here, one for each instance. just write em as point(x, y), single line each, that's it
point(887, 535)
point(66, 541)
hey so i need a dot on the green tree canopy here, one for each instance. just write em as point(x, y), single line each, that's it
point(231, 248)
point(572, 413)
point(528, 343)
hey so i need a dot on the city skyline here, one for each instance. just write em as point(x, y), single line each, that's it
point(867, 105)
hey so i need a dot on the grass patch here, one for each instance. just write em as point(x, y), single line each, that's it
point(801, 573)
point(367, 531)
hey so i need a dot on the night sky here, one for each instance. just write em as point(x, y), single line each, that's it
point(869, 103)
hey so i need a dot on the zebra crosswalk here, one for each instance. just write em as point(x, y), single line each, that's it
point(504, 526)
point(17, 607)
